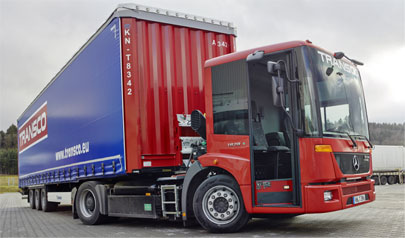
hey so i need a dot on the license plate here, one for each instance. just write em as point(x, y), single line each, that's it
point(359, 199)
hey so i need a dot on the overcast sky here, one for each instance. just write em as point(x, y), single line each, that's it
point(38, 37)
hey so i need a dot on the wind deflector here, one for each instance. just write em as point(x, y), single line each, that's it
point(198, 123)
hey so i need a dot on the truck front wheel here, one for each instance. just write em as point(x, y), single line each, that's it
point(218, 205)
point(87, 204)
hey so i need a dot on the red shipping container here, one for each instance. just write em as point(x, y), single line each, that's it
point(163, 56)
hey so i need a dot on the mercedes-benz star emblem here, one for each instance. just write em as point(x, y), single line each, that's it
point(356, 163)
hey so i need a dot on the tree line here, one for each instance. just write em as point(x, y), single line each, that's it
point(387, 133)
point(380, 134)
point(8, 151)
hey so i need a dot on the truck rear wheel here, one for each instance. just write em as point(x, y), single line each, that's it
point(47, 206)
point(31, 198)
point(87, 204)
point(392, 179)
point(383, 180)
point(218, 205)
point(37, 199)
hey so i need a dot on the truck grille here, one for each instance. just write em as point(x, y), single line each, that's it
point(356, 189)
point(353, 163)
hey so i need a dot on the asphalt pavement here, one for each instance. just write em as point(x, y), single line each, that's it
point(383, 218)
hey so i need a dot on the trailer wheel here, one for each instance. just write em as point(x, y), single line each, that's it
point(392, 180)
point(31, 198)
point(87, 205)
point(383, 180)
point(47, 206)
point(218, 205)
point(37, 199)
point(376, 180)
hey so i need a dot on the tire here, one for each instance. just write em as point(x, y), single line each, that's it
point(87, 204)
point(31, 198)
point(392, 179)
point(47, 206)
point(38, 199)
point(377, 181)
point(218, 205)
point(383, 180)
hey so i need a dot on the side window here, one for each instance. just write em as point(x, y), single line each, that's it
point(307, 95)
point(230, 98)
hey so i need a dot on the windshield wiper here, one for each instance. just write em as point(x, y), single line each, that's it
point(368, 141)
point(346, 133)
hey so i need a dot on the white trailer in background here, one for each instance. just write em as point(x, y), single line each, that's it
point(388, 164)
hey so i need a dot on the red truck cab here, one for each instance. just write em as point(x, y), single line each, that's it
point(288, 122)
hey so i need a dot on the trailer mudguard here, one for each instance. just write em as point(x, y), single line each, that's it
point(101, 191)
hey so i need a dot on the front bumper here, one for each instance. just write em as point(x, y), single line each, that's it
point(343, 194)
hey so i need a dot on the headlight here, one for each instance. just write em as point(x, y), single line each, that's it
point(327, 196)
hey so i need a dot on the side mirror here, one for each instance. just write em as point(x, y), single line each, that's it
point(198, 123)
point(277, 88)
point(273, 67)
point(338, 55)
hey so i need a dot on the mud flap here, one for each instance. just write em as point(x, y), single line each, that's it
point(73, 196)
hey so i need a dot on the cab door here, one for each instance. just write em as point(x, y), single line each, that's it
point(273, 143)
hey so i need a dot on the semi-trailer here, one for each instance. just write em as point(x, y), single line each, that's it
point(388, 164)
point(157, 116)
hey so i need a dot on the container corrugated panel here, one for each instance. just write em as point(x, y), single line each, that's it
point(163, 76)
point(386, 158)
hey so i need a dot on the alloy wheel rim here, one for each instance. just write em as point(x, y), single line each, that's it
point(87, 203)
point(221, 205)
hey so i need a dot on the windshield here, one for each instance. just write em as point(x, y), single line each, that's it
point(341, 97)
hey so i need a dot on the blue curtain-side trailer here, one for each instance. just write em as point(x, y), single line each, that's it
point(111, 132)
point(75, 129)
